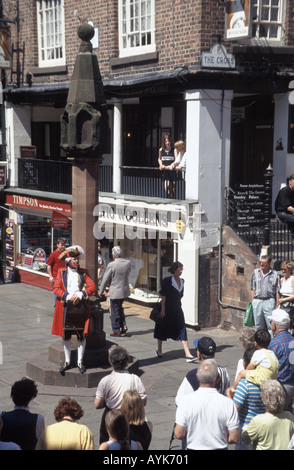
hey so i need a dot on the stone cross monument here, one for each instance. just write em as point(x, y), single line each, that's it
point(84, 130)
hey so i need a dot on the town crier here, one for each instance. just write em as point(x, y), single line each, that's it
point(73, 286)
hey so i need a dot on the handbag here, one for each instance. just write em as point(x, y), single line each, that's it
point(155, 312)
point(249, 318)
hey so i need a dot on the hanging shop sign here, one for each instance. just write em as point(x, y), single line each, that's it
point(238, 19)
point(5, 47)
point(59, 220)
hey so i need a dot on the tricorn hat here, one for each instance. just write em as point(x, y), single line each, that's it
point(72, 252)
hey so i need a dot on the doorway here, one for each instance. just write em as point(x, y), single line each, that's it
point(252, 133)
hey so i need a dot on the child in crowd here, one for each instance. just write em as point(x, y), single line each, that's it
point(264, 363)
point(118, 430)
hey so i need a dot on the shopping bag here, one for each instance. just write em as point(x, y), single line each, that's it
point(155, 312)
point(249, 319)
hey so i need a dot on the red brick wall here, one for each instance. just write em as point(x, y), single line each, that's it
point(184, 28)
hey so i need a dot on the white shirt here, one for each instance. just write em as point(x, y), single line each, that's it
point(207, 416)
point(287, 287)
point(181, 159)
point(175, 284)
point(112, 387)
point(259, 357)
point(73, 286)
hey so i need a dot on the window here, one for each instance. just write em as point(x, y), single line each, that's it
point(50, 21)
point(267, 19)
point(136, 27)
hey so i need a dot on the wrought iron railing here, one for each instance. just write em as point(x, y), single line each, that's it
point(45, 175)
point(56, 176)
point(148, 182)
point(105, 178)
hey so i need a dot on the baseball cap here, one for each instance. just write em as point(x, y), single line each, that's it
point(279, 315)
point(205, 345)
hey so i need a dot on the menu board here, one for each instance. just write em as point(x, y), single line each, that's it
point(248, 205)
point(9, 248)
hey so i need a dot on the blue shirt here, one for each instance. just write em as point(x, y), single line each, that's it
point(283, 347)
point(248, 397)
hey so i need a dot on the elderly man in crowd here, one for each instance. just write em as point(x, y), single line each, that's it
point(117, 278)
point(207, 419)
point(265, 288)
point(283, 346)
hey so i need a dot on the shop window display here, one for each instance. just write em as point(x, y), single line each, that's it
point(36, 236)
point(150, 259)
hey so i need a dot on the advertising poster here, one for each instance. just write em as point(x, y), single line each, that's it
point(9, 248)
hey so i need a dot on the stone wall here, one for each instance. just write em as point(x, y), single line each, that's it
point(238, 263)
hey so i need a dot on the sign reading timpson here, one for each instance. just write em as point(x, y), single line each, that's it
point(5, 47)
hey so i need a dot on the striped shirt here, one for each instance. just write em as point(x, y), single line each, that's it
point(265, 286)
point(247, 396)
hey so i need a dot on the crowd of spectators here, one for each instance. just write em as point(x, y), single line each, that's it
point(210, 414)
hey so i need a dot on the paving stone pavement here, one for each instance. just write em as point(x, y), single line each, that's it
point(26, 314)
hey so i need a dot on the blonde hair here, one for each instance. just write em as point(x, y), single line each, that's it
point(287, 265)
point(132, 407)
point(180, 145)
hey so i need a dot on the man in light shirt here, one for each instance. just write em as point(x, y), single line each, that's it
point(207, 419)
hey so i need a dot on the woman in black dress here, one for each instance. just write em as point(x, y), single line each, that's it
point(172, 323)
point(166, 158)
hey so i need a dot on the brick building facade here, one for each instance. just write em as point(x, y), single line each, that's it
point(231, 118)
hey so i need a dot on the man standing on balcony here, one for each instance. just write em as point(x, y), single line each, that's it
point(284, 204)
point(264, 293)
point(117, 278)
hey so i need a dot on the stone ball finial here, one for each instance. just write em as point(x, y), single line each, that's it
point(86, 32)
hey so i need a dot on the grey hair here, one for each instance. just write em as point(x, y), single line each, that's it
point(283, 325)
point(247, 336)
point(118, 357)
point(273, 396)
point(116, 251)
point(208, 372)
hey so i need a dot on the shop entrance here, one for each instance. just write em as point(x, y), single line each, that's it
point(252, 133)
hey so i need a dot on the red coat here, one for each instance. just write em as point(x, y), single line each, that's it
point(87, 286)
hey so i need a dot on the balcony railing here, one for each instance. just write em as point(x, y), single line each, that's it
point(148, 182)
point(55, 176)
point(44, 175)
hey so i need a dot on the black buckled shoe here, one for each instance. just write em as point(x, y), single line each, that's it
point(81, 368)
point(64, 367)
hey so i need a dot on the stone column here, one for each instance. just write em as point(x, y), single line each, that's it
point(84, 199)
point(117, 146)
